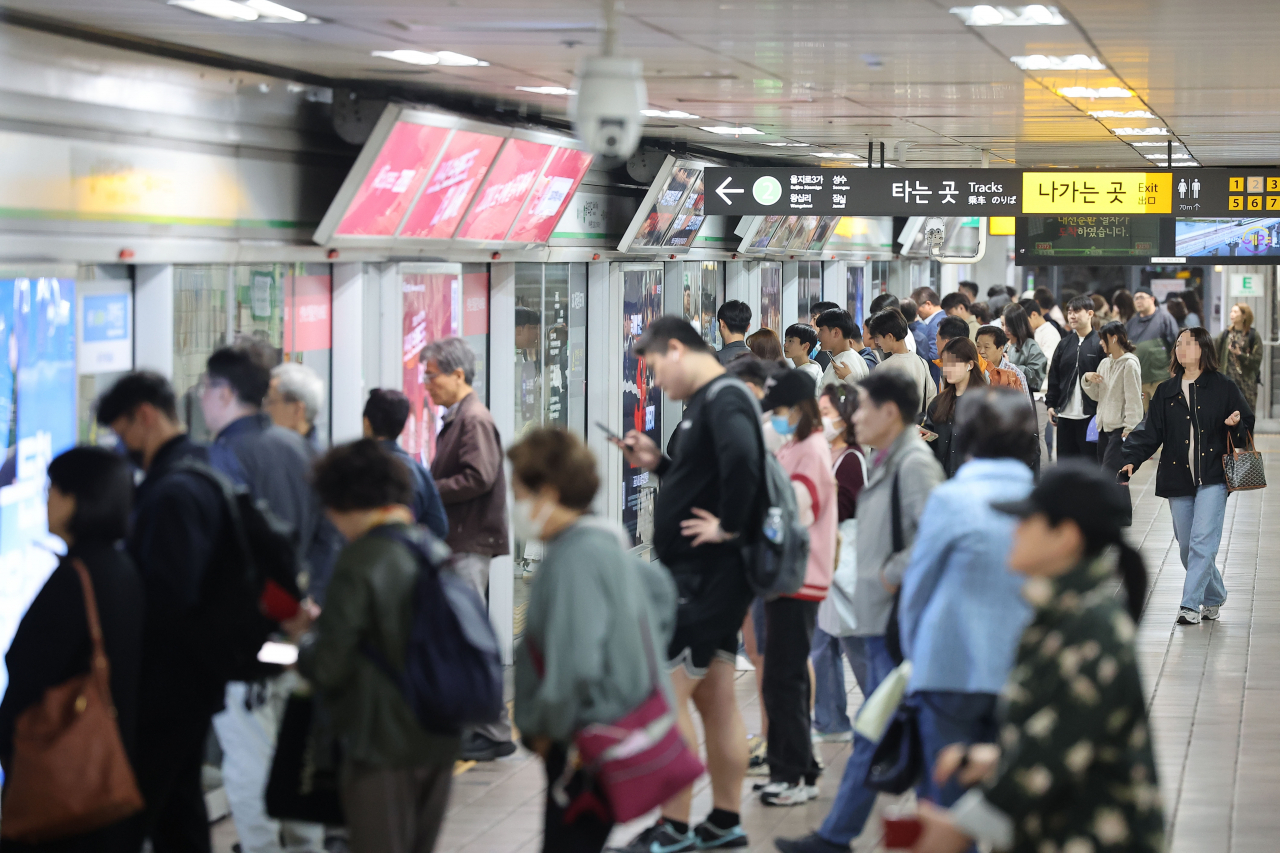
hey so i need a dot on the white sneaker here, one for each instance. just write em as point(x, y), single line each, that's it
point(784, 794)
point(1187, 616)
point(1210, 613)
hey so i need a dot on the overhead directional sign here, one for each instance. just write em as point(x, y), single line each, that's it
point(990, 192)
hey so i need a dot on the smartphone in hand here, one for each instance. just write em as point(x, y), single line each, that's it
point(609, 434)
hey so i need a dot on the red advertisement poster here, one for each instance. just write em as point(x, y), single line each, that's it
point(509, 182)
point(428, 316)
point(551, 196)
point(307, 322)
point(393, 180)
point(452, 186)
point(475, 303)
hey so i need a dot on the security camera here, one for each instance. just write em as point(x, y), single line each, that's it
point(606, 109)
point(935, 234)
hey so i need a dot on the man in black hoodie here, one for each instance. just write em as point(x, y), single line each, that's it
point(1070, 409)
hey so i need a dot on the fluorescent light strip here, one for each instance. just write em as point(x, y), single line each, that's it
point(786, 144)
point(668, 114)
point(547, 90)
point(1004, 16)
point(1140, 131)
point(1152, 144)
point(844, 155)
point(226, 10)
point(1040, 62)
point(275, 10)
point(1086, 92)
point(1121, 114)
point(461, 60)
point(421, 57)
point(725, 130)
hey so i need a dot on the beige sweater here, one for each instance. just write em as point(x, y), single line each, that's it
point(1119, 395)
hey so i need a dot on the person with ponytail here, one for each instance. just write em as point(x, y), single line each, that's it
point(1075, 766)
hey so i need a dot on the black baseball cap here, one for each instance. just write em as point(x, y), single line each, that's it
point(1077, 490)
point(1144, 289)
point(789, 389)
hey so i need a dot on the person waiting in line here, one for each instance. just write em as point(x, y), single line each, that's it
point(957, 305)
point(764, 345)
point(1177, 310)
point(849, 467)
point(903, 473)
point(1117, 386)
point(469, 476)
point(90, 496)
point(1194, 308)
point(1047, 338)
point(914, 326)
point(802, 342)
point(1240, 352)
point(1023, 352)
point(1101, 307)
point(949, 330)
point(1152, 333)
point(385, 414)
point(790, 619)
point(930, 313)
point(836, 330)
point(969, 289)
point(1077, 354)
point(395, 777)
point(705, 503)
point(1195, 410)
point(960, 373)
point(870, 355)
point(981, 312)
point(885, 301)
point(961, 611)
point(179, 525)
point(1074, 768)
point(733, 320)
point(888, 331)
point(821, 356)
point(997, 298)
point(598, 619)
point(1122, 307)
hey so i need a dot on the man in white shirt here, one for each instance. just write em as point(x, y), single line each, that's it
point(836, 331)
point(889, 332)
point(799, 343)
point(1046, 335)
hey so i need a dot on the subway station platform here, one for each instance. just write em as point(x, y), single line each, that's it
point(1214, 693)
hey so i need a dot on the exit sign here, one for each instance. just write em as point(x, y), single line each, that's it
point(1246, 285)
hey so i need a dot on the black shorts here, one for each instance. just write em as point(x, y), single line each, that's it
point(713, 602)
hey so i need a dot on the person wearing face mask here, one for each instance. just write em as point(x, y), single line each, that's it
point(597, 621)
point(960, 372)
point(806, 457)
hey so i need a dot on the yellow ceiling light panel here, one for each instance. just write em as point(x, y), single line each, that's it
point(1101, 193)
point(1001, 226)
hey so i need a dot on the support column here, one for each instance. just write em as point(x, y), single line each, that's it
point(153, 318)
point(502, 405)
point(835, 282)
point(604, 386)
point(347, 362)
point(790, 312)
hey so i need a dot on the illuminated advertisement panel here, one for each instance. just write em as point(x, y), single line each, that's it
point(551, 196)
point(505, 189)
point(452, 186)
point(393, 180)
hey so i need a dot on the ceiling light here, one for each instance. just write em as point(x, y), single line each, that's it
point(844, 155)
point(668, 114)
point(413, 57)
point(546, 90)
point(1121, 114)
point(725, 130)
point(275, 10)
point(1040, 62)
point(787, 144)
point(1140, 131)
point(984, 15)
point(1152, 144)
point(1086, 92)
point(227, 10)
point(448, 57)
point(1179, 156)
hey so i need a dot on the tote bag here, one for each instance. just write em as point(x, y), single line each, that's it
point(1243, 467)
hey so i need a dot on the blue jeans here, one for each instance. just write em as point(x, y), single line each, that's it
point(831, 700)
point(947, 717)
point(1197, 522)
point(853, 799)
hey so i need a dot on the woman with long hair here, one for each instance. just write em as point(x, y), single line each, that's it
point(1117, 386)
point(1194, 308)
point(1240, 352)
point(1122, 305)
point(764, 344)
point(1177, 309)
point(960, 372)
point(1191, 416)
point(1023, 350)
point(1075, 767)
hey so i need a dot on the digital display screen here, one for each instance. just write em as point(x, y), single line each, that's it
point(664, 210)
point(1228, 240)
point(803, 236)
point(820, 235)
point(685, 227)
point(782, 237)
point(504, 190)
point(551, 196)
point(452, 186)
point(1069, 239)
point(393, 180)
point(765, 232)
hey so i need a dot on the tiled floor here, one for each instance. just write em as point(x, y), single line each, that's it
point(1214, 691)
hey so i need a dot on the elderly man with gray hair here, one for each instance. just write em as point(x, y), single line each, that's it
point(468, 472)
point(294, 399)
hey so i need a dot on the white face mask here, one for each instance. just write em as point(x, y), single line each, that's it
point(524, 524)
point(830, 431)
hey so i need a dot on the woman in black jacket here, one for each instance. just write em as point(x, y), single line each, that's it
point(960, 372)
point(1190, 416)
point(90, 494)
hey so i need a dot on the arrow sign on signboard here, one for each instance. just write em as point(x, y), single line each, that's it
point(723, 191)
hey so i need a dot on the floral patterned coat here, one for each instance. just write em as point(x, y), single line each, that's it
point(1077, 774)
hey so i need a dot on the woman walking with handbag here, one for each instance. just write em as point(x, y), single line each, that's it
point(1117, 386)
point(598, 621)
point(94, 586)
point(1192, 416)
point(1240, 352)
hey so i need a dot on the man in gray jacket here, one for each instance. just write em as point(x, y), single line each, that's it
point(1153, 333)
point(903, 473)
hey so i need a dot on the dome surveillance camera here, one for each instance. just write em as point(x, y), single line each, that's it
point(606, 109)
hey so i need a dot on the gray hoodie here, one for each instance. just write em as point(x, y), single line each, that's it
point(1119, 394)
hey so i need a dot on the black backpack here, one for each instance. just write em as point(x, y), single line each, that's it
point(253, 571)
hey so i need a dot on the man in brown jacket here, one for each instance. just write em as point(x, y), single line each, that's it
point(468, 472)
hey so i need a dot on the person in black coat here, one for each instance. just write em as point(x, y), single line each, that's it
point(90, 494)
point(1070, 409)
point(385, 414)
point(1191, 415)
point(960, 373)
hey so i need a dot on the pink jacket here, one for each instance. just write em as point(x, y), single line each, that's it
point(809, 464)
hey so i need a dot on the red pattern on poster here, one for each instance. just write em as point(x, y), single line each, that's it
point(551, 196)
point(504, 191)
point(475, 303)
point(393, 180)
point(452, 186)
point(307, 321)
point(428, 316)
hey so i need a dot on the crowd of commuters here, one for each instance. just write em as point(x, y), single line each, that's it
point(934, 537)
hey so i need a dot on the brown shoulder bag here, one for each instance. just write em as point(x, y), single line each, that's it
point(70, 774)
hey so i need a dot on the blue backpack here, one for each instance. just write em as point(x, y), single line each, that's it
point(452, 674)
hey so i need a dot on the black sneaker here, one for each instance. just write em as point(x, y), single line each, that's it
point(477, 747)
point(711, 837)
point(659, 838)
